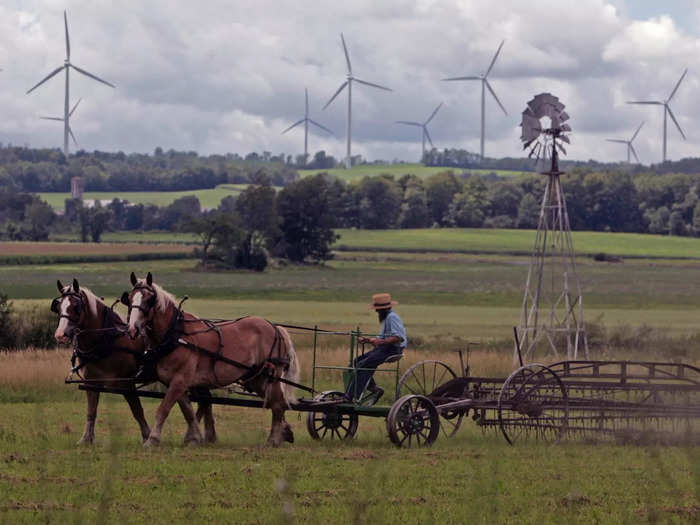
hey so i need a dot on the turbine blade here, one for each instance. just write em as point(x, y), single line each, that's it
point(320, 126)
point(652, 102)
point(347, 55)
point(433, 113)
point(91, 75)
point(293, 125)
point(618, 140)
point(460, 78)
point(494, 95)
point(676, 88)
point(673, 117)
point(70, 132)
point(372, 85)
point(65, 21)
point(74, 107)
point(342, 86)
point(54, 72)
point(634, 153)
point(409, 123)
point(494, 59)
point(52, 118)
point(635, 133)
point(427, 136)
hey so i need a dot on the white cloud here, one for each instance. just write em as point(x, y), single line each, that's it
point(221, 76)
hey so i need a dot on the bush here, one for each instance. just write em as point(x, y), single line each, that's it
point(33, 327)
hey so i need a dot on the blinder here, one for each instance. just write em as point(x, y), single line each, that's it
point(143, 308)
point(78, 307)
point(54, 305)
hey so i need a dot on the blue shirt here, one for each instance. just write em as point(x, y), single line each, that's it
point(392, 326)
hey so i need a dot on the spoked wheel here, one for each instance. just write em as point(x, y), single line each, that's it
point(422, 379)
point(533, 404)
point(413, 421)
point(331, 424)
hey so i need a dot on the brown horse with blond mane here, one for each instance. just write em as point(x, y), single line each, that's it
point(105, 355)
point(187, 349)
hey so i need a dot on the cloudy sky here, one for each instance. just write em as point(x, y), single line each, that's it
point(229, 76)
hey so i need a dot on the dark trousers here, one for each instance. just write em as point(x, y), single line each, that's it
point(371, 360)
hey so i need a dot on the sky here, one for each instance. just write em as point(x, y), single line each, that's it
point(221, 76)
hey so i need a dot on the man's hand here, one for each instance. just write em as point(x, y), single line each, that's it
point(374, 341)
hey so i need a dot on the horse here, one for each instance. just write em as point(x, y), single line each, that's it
point(188, 350)
point(104, 352)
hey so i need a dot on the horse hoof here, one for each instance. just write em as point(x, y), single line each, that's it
point(85, 441)
point(210, 439)
point(287, 434)
point(274, 443)
point(151, 442)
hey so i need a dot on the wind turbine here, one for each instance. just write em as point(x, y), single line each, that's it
point(424, 127)
point(667, 111)
point(70, 114)
point(306, 120)
point(66, 66)
point(348, 84)
point(484, 86)
point(630, 147)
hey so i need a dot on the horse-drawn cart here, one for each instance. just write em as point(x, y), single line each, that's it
point(585, 399)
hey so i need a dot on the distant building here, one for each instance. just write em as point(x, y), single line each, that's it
point(77, 186)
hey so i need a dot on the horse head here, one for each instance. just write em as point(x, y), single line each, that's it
point(141, 302)
point(71, 307)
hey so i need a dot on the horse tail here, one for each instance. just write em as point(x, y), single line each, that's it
point(292, 373)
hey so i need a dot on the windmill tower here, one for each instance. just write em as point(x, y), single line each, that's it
point(551, 319)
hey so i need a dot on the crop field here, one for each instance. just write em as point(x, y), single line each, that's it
point(208, 198)
point(640, 309)
point(75, 248)
point(398, 170)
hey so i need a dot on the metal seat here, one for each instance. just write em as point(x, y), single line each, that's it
point(394, 358)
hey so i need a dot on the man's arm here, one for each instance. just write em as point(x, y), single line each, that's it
point(376, 341)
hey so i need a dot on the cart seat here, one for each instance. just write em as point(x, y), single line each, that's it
point(394, 358)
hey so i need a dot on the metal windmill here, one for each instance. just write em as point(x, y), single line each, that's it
point(484, 86)
point(552, 310)
point(667, 111)
point(306, 121)
point(66, 66)
point(70, 114)
point(424, 128)
point(630, 147)
point(348, 84)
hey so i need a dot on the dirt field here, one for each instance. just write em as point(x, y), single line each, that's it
point(78, 248)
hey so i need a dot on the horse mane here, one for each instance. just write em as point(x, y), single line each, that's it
point(163, 298)
point(90, 296)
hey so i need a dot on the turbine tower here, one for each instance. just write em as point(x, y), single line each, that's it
point(484, 86)
point(66, 66)
point(70, 114)
point(348, 84)
point(306, 121)
point(551, 318)
point(424, 128)
point(667, 111)
point(630, 147)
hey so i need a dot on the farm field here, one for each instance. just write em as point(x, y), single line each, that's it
point(398, 170)
point(74, 248)
point(209, 198)
point(473, 477)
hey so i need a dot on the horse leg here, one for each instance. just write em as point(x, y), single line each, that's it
point(193, 434)
point(280, 431)
point(176, 390)
point(93, 398)
point(137, 412)
point(205, 411)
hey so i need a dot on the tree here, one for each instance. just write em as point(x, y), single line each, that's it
point(380, 202)
point(98, 221)
point(440, 190)
point(215, 229)
point(528, 212)
point(468, 209)
point(676, 225)
point(306, 223)
point(256, 206)
point(414, 210)
point(696, 220)
point(181, 209)
point(658, 219)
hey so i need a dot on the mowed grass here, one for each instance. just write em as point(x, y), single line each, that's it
point(398, 170)
point(209, 198)
point(474, 477)
point(74, 248)
point(518, 241)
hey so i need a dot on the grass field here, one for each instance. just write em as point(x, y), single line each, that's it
point(398, 170)
point(75, 248)
point(208, 198)
point(473, 477)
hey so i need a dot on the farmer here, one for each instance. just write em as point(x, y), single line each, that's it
point(390, 341)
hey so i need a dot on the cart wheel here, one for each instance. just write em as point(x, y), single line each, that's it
point(413, 421)
point(533, 404)
point(422, 379)
point(331, 424)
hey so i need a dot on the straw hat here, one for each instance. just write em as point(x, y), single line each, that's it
point(382, 301)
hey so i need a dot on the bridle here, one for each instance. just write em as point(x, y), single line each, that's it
point(79, 308)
